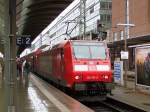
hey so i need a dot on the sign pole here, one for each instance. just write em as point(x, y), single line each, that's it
point(127, 26)
point(126, 37)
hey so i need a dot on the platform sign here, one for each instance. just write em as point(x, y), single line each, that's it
point(124, 55)
point(142, 65)
point(24, 41)
point(118, 72)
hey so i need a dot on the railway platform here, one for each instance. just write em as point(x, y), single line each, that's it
point(39, 96)
point(131, 97)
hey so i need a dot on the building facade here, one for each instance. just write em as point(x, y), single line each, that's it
point(139, 15)
point(67, 24)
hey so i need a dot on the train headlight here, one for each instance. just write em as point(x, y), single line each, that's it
point(103, 67)
point(81, 68)
point(77, 77)
point(105, 77)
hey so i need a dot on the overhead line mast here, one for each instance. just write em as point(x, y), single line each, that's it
point(82, 20)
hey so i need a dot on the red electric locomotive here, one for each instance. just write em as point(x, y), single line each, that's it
point(83, 66)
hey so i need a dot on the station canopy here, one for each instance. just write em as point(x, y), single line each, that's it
point(32, 16)
point(134, 41)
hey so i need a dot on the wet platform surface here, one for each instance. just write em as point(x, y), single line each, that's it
point(38, 96)
point(31, 99)
point(131, 97)
point(62, 101)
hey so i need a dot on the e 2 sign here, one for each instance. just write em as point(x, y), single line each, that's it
point(24, 41)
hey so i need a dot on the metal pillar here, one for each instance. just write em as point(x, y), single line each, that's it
point(10, 55)
point(7, 55)
point(82, 23)
point(84, 19)
point(126, 37)
point(127, 26)
point(12, 36)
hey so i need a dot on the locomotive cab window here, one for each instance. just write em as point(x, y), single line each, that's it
point(81, 51)
point(98, 52)
point(89, 51)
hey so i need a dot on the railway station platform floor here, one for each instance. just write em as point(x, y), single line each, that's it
point(39, 96)
point(131, 97)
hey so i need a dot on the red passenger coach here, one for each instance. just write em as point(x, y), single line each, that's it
point(83, 66)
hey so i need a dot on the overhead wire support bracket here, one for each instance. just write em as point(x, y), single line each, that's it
point(68, 23)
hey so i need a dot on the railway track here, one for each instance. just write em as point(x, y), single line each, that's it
point(108, 105)
point(111, 105)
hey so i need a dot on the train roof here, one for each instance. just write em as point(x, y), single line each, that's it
point(61, 44)
point(64, 42)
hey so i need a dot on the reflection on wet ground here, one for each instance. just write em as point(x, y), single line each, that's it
point(64, 102)
point(34, 95)
point(28, 98)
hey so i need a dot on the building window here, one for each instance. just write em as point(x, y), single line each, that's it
point(121, 35)
point(54, 34)
point(108, 17)
point(105, 17)
point(115, 36)
point(105, 5)
point(91, 9)
point(110, 5)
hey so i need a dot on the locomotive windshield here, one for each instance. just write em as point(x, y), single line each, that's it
point(90, 51)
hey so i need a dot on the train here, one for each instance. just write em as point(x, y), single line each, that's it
point(80, 66)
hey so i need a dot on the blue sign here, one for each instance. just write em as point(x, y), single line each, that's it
point(24, 41)
point(117, 70)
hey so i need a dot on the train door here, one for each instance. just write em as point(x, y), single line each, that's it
point(62, 62)
point(36, 63)
point(33, 63)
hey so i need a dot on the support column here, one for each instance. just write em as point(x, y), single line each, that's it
point(82, 20)
point(126, 37)
point(10, 55)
